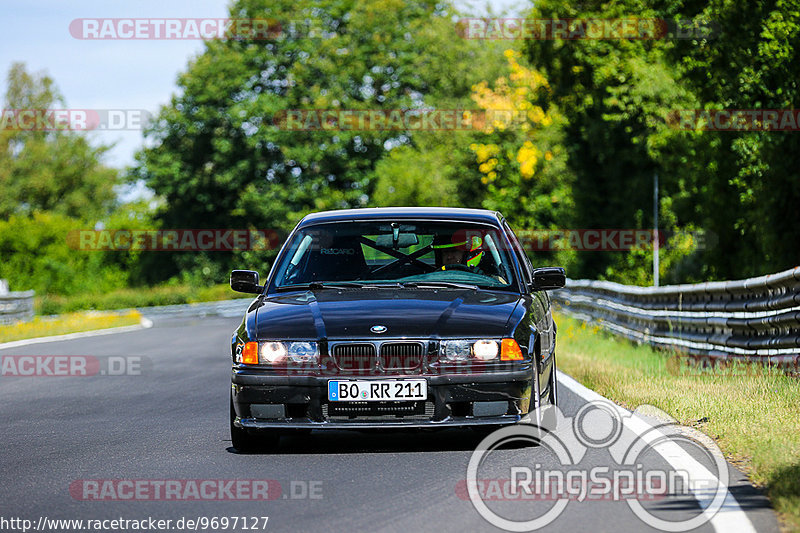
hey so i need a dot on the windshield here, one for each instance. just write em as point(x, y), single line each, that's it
point(413, 253)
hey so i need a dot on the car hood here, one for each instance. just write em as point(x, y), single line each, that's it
point(419, 313)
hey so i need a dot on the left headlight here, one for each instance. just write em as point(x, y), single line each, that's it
point(277, 352)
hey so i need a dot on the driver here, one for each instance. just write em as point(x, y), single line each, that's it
point(458, 253)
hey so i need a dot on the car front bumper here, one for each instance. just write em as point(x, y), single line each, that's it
point(300, 402)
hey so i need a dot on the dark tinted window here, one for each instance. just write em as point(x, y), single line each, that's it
point(407, 251)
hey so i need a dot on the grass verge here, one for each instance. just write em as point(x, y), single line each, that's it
point(69, 323)
point(751, 412)
point(139, 297)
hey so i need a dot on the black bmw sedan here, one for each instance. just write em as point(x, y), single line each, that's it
point(393, 318)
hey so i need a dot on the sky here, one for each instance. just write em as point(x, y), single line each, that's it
point(116, 74)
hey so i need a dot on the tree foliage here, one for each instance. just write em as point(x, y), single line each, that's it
point(36, 255)
point(737, 189)
point(57, 171)
point(579, 129)
point(219, 160)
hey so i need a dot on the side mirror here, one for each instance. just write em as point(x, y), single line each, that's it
point(548, 278)
point(245, 281)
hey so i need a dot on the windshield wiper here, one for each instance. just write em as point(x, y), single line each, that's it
point(319, 285)
point(322, 285)
point(438, 285)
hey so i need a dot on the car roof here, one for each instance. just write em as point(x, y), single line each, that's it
point(430, 213)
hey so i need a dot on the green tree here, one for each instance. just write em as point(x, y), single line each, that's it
point(38, 254)
point(57, 171)
point(520, 159)
point(739, 188)
point(408, 177)
point(751, 197)
point(219, 160)
point(615, 95)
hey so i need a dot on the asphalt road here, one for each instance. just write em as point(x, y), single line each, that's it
point(170, 422)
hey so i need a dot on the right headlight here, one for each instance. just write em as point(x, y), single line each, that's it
point(463, 349)
point(272, 353)
point(485, 350)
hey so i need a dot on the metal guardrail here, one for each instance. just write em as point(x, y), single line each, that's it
point(16, 307)
point(752, 320)
point(222, 308)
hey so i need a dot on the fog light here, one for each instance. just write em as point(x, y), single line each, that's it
point(267, 410)
point(489, 408)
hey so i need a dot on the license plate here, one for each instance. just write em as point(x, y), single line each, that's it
point(377, 390)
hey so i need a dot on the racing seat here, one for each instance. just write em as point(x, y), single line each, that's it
point(341, 261)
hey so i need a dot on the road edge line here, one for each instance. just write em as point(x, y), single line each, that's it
point(730, 517)
point(144, 323)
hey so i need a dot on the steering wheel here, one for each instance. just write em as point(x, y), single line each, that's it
point(457, 266)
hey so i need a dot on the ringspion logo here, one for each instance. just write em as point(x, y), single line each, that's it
point(562, 471)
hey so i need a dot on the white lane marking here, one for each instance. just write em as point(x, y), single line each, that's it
point(144, 323)
point(730, 516)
